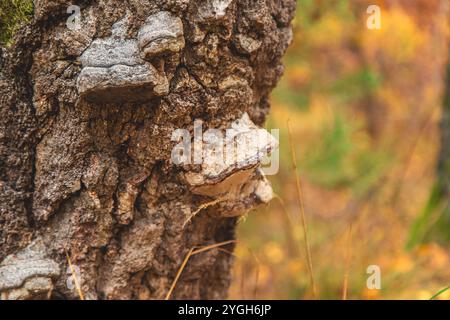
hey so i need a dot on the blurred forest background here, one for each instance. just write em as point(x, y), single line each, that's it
point(365, 107)
point(370, 118)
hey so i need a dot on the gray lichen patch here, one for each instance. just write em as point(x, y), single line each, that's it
point(162, 33)
point(27, 272)
point(213, 9)
point(247, 44)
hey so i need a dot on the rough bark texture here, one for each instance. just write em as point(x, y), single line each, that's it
point(85, 143)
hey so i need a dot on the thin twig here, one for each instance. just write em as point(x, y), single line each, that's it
point(285, 210)
point(212, 246)
point(192, 252)
point(200, 208)
point(288, 222)
point(439, 293)
point(347, 263)
point(410, 154)
point(74, 276)
point(256, 273)
point(302, 211)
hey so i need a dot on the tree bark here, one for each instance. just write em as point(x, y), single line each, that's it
point(87, 184)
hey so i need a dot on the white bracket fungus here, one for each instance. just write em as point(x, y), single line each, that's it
point(28, 273)
point(114, 68)
point(229, 170)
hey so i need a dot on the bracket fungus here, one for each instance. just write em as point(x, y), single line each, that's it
point(230, 167)
point(114, 69)
point(27, 274)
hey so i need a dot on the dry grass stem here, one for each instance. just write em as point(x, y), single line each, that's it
point(302, 211)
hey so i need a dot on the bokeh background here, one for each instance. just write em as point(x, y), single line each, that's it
point(365, 108)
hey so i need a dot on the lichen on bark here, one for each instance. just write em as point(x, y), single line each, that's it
point(13, 13)
point(85, 140)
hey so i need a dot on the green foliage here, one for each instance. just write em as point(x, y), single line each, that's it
point(433, 223)
point(298, 98)
point(12, 14)
point(327, 162)
point(439, 293)
point(339, 160)
point(314, 73)
point(328, 33)
point(345, 89)
point(310, 11)
point(355, 86)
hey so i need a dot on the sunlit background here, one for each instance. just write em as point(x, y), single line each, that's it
point(364, 107)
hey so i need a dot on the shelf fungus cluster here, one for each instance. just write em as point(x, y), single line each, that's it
point(230, 172)
point(28, 273)
point(117, 69)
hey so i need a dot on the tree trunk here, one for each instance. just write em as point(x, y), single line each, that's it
point(88, 184)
